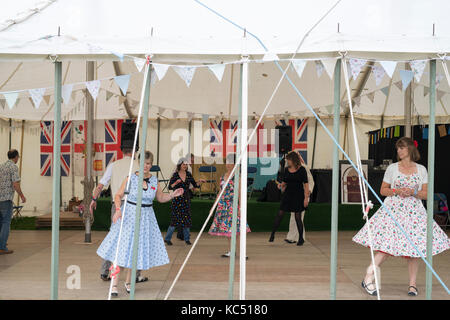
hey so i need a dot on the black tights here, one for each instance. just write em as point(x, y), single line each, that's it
point(298, 220)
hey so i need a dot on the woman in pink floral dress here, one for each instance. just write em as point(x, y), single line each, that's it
point(221, 225)
point(404, 186)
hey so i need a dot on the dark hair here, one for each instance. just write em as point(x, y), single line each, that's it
point(12, 154)
point(294, 157)
point(412, 149)
point(126, 150)
point(180, 162)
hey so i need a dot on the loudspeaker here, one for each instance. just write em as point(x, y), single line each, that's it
point(127, 136)
point(284, 139)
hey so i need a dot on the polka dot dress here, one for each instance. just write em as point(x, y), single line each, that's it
point(151, 249)
point(411, 215)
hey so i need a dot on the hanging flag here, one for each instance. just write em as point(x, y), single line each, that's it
point(11, 98)
point(36, 96)
point(140, 63)
point(80, 148)
point(66, 93)
point(93, 88)
point(47, 99)
point(186, 73)
point(319, 68)
point(406, 76)
point(123, 81)
point(109, 94)
point(299, 135)
point(299, 66)
point(440, 94)
point(385, 90)
point(356, 66)
point(397, 131)
point(161, 70)
point(378, 73)
point(329, 65)
point(371, 96)
point(357, 101)
point(217, 70)
point(425, 134)
point(153, 78)
point(270, 56)
point(46, 148)
point(389, 67)
point(442, 130)
point(417, 66)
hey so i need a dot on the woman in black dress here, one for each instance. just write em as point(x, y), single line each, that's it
point(295, 194)
point(181, 206)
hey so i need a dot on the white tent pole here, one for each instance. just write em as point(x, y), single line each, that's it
point(243, 191)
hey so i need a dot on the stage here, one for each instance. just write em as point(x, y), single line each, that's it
point(274, 270)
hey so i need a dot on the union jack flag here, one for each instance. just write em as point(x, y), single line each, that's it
point(46, 147)
point(113, 133)
point(258, 146)
point(223, 136)
point(299, 135)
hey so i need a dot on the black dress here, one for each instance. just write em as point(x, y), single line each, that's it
point(294, 195)
point(181, 206)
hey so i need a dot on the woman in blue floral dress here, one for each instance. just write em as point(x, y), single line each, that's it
point(151, 249)
point(221, 225)
point(404, 186)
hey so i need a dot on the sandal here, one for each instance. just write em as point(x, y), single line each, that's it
point(373, 291)
point(114, 293)
point(141, 279)
point(127, 287)
point(412, 293)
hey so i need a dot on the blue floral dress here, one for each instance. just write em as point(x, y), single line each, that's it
point(221, 225)
point(151, 249)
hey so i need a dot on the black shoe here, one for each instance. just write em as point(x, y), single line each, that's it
point(188, 243)
point(105, 277)
point(411, 292)
point(272, 237)
point(169, 243)
point(289, 241)
point(300, 242)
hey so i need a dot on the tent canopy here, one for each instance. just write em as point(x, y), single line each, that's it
point(184, 32)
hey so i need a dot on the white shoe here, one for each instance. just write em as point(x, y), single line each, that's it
point(226, 255)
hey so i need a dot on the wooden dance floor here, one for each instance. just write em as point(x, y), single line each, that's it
point(274, 270)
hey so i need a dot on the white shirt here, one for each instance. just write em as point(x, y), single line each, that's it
point(392, 172)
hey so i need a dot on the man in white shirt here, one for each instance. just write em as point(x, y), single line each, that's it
point(114, 175)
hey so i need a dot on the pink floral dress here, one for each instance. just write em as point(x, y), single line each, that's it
point(411, 215)
point(221, 225)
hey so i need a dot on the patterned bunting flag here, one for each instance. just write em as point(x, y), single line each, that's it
point(319, 68)
point(356, 66)
point(93, 88)
point(186, 73)
point(371, 96)
point(378, 73)
point(417, 66)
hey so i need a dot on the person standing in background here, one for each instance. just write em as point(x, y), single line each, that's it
point(9, 182)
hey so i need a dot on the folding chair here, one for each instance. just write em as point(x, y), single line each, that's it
point(16, 212)
point(251, 175)
point(211, 181)
point(157, 169)
point(441, 212)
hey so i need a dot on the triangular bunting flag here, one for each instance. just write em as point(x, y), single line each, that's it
point(389, 67)
point(329, 65)
point(122, 99)
point(398, 84)
point(440, 94)
point(161, 70)
point(417, 66)
point(186, 73)
point(140, 63)
point(426, 90)
point(153, 78)
point(385, 90)
point(123, 82)
point(319, 68)
point(66, 93)
point(11, 98)
point(93, 88)
point(329, 108)
point(118, 55)
point(161, 110)
point(175, 113)
point(109, 94)
point(2, 103)
point(36, 96)
point(270, 56)
point(218, 70)
point(299, 66)
point(371, 96)
point(406, 76)
point(356, 66)
point(357, 100)
point(378, 73)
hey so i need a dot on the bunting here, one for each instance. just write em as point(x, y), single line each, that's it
point(319, 68)
point(36, 96)
point(11, 98)
point(161, 70)
point(406, 76)
point(123, 81)
point(218, 70)
point(66, 93)
point(186, 73)
point(299, 66)
point(417, 66)
point(356, 66)
point(93, 88)
point(389, 67)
